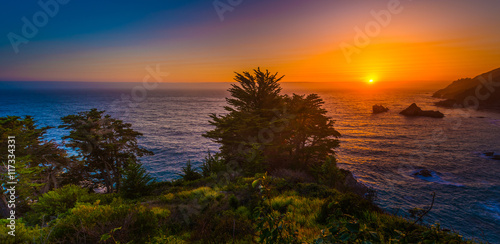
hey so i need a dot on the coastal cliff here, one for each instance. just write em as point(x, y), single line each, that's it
point(481, 92)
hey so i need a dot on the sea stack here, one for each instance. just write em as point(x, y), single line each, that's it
point(413, 111)
point(379, 109)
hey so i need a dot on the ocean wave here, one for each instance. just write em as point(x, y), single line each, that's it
point(492, 208)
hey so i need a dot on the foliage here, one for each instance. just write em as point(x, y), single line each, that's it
point(309, 137)
point(23, 233)
point(216, 226)
point(212, 165)
point(136, 181)
point(162, 239)
point(415, 213)
point(104, 144)
point(273, 226)
point(54, 203)
point(202, 194)
point(253, 106)
point(329, 174)
point(386, 230)
point(266, 130)
point(106, 236)
point(40, 165)
point(188, 173)
point(293, 176)
point(211, 215)
point(301, 209)
point(346, 203)
point(234, 203)
point(313, 190)
point(90, 222)
point(349, 232)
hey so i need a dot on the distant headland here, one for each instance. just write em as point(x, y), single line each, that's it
point(481, 92)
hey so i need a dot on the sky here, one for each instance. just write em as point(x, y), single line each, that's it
point(391, 41)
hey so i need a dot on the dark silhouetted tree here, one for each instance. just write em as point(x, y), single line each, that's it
point(105, 145)
point(136, 181)
point(255, 101)
point(264, 129)
point(188, 173)
point(309, 137)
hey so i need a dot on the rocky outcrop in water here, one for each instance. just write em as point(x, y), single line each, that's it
point(423, 172)
point(413, 110)
point(492, 155)
point(379, 109)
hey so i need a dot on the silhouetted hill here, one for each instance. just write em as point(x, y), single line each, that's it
point(484, 89)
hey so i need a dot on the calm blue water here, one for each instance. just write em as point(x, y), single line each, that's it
point(383, 150)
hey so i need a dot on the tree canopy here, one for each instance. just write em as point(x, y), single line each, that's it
point(39, 165)
point(264, 129)
point(105, 145)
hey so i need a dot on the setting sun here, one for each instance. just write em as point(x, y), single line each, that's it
point(371, 81)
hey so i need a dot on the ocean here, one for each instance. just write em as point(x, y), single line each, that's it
point(382, 150)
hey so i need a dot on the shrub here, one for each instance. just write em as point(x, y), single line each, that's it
point(327, 210)
point(212, 226)
point(189, 174)
point(315, 190)
point(162, 239)
point(54, 203)
point(350, 232)
point(233, 201)
point(57, 203)
point(303, 210)
point(281, 203)
point(212, 165)
point(244, 212)
point(23, 234)
point(355, 205)
point(385, 229)
point(136, 182)
point(272, 226)
point(293, 176)
point(329, 174)
point(89, 222)
point(202, 194)
point(345, 204)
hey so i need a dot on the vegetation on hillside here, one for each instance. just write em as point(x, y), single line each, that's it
point(275, 180)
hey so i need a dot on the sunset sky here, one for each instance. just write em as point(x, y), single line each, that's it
point(426, 40)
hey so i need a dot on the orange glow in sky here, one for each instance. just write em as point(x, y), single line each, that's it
point(424, 42)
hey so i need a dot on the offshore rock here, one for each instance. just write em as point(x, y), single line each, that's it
point(413, 111)
point(379, 109)
point(424, 173)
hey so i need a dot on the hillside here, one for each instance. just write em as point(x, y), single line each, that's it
point(484, 90)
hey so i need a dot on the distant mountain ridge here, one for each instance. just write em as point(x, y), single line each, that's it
point(483, 90)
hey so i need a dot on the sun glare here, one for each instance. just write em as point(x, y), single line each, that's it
point(370, 79)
